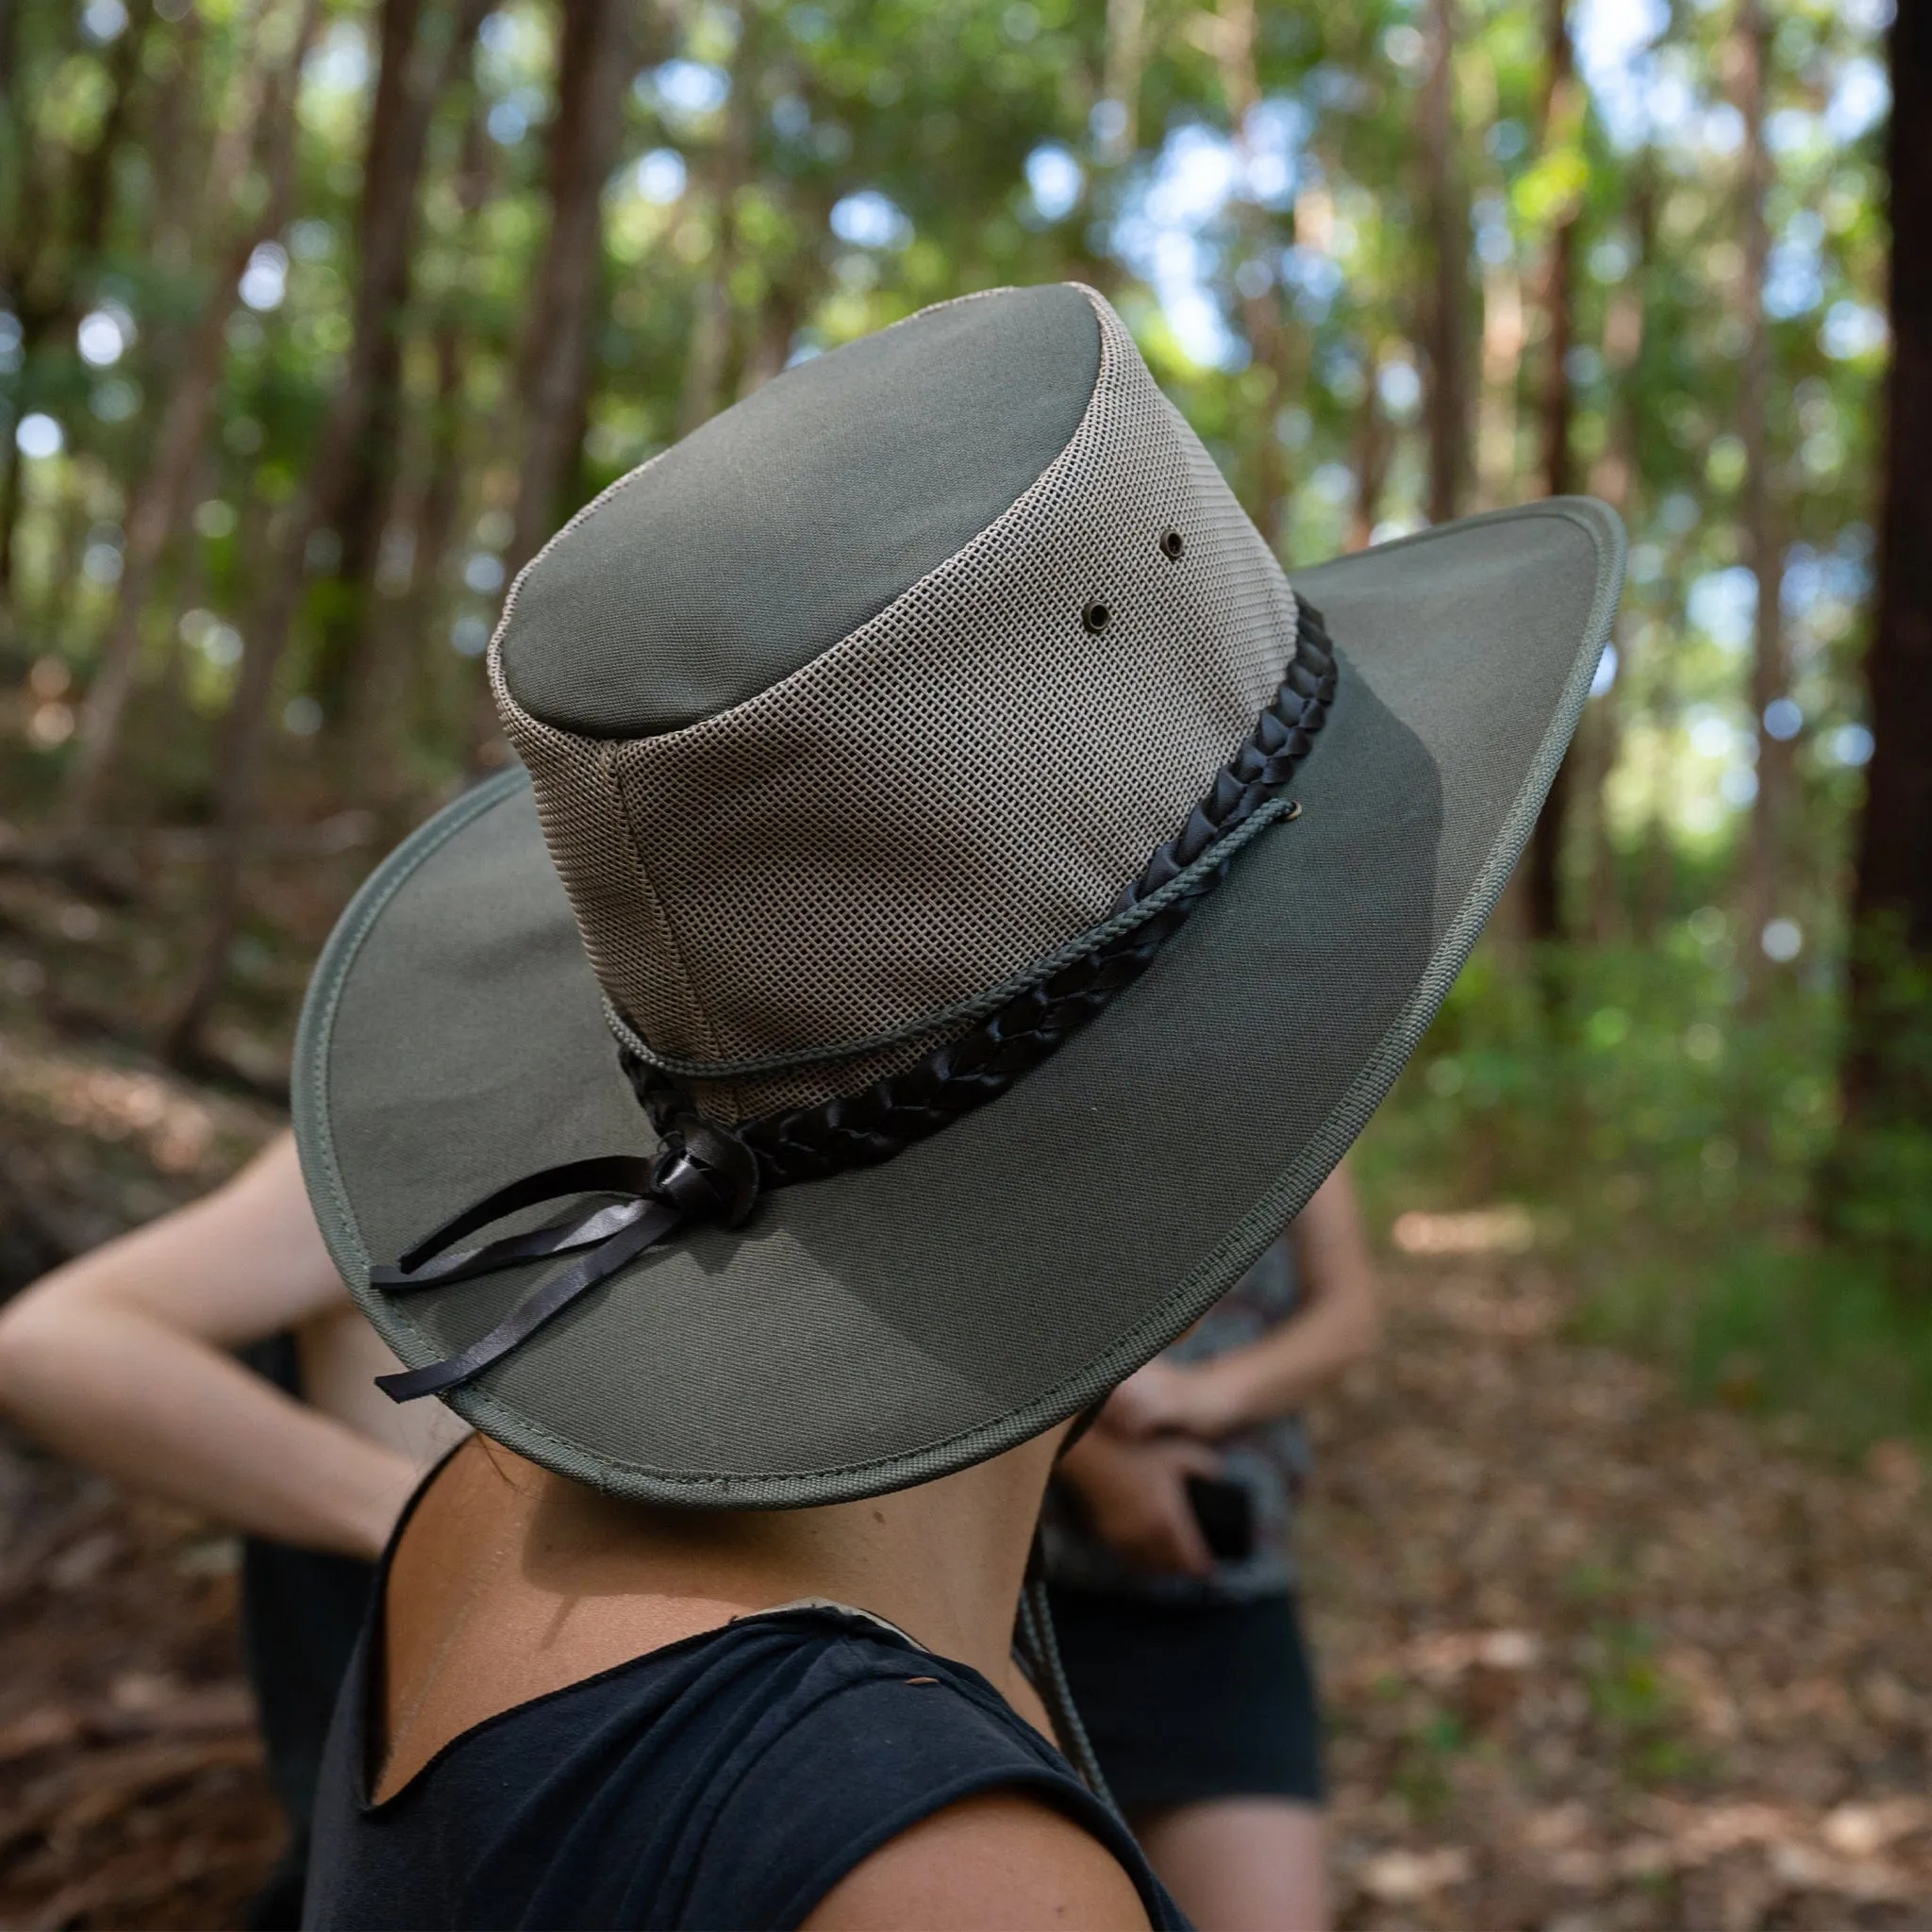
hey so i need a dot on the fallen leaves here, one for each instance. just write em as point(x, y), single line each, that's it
point(1594, 1659)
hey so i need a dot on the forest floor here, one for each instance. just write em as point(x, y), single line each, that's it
point(1593, 1657)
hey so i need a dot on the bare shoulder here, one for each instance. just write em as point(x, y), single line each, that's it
point(1003, 1860)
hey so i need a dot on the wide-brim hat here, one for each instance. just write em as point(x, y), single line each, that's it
point(960, 896)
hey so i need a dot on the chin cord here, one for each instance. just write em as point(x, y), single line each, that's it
point(1040, 1653)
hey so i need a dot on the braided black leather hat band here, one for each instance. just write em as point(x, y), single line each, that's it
point(705, 1171)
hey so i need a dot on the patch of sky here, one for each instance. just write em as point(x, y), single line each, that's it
point(1789, 131)
point(104, 336)
point(1783, 940)
point(310, 239)
point(1329, 86)
point(1724, 128)
point(1611, 259)
point(660, 175)
point(1794, 276)
point(870, 220)
point(483, 572)
point(1316, 279)
point(507, 122)
point(1850, 745)
point(36, 435)
point(690, 88)
point(340, 63)
point(1722, 604)
point(469, 635)
point(1784, 718)
point(103, 21)
point(1852, 330)
point(790, 117)
point(1490, 217)
point(1054, 180)
point(1254, 276)
point(1606, 672)
point(1332, 484)
point(265, 281)
point(1615, 51)
point(1712, 734)
point(1679, 512)
point(1159, 237)
point(1858, 102)
point(1275, 131)
point(1505, 139)
point(1400, 389)
point(1867, 16)
point(1646, 563)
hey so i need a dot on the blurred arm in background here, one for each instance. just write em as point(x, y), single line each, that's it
point(1160, 1425)
point(1337, 1320)
point(120, 1360)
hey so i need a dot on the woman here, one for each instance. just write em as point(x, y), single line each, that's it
point(127, 1360)
point(1186, 1655)
point(903, 997)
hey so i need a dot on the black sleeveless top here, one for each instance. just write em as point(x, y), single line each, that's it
point(726, 1781)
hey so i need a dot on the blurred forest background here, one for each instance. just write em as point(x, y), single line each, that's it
point(318, 316)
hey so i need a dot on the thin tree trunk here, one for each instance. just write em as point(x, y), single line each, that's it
point(1445, 351)
point(1262, 316)
point(1503, 336)
point(159, 498)
point(1372, 450)
point(712, 316)
point(594, 67)
point(1886, 1087)
point(1123, 63)
point(1613, 479)
point(1770, 675)
point(1561, 109)
point(555, 366)
point(390, 170)
point(384, 277)
point(384, 704)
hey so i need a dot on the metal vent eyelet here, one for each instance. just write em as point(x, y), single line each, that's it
point(1096, 617)
point(1171, 544)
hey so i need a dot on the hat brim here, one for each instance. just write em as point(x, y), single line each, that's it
point(887, 1326)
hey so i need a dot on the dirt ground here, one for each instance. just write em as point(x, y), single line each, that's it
point(1593, 1659)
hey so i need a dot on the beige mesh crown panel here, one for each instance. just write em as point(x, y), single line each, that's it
point(955, 787)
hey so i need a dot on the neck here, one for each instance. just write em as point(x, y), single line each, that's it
point(944, 1561)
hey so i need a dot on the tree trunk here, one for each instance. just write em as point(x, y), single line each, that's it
point(1770, 675)
point(160, 497)
point(712, 315)
point(555, 366)
point(1561, 112)
point(1884, 1087)
point(1123, 63)
point(1613, 479)
point(383, 282)
point(1262, 316)
point(1444, 351)
point(1372, 441)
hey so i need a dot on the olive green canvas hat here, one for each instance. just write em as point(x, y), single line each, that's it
point(957, 903)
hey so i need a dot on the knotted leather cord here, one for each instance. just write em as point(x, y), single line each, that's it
point(703, 1171)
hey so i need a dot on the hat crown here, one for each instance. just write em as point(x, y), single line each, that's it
point(810, 761)
point(753, 545)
